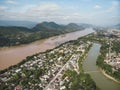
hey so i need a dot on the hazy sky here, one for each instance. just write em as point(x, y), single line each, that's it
point(99, 12)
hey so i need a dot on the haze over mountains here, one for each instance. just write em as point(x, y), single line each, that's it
point(15, 35)
point(21, 32)
point(31, 24)
point(117, 26)
point(28, 24)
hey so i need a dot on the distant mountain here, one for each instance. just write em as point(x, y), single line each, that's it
point(52, 26)
point(14, 35)
point(28, 24)
point(47, 27)
point(117, 26)
point(84, 25)
point(72, 27)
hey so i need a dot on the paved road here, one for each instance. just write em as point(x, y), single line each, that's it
point(58, 73)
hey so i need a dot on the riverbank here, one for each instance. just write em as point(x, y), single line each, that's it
point(108, 76)
point(105, 68)
point(13, 55)
point(90, 67)
point(50, 65)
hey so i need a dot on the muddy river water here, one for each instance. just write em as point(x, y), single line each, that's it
point(13, 55)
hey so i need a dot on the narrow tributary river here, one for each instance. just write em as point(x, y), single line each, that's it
point(89, 66)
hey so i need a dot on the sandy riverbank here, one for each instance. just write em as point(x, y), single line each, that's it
point(108, 76)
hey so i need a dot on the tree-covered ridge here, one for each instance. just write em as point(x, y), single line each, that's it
point(13, 35)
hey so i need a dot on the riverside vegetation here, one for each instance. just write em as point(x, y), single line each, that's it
point(13, 35)
point(104, 41)
point(36, 71)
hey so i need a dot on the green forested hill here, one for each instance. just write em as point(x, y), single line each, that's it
point(13, 35)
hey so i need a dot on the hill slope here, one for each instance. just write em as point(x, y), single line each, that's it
point(13, 35)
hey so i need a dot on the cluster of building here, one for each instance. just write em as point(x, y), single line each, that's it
point(58, 82)
point(52, 63)
point(113, 59)
point(112, 33)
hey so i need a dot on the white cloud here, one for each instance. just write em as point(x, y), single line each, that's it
point(97, 6)
point(2, 8)
point(114, 6)
point(115, 3)
point(54, 12)
point(44, 9)
point(46, 12)
point(11, 2)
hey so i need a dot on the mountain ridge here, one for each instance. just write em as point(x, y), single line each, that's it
point(15, 35)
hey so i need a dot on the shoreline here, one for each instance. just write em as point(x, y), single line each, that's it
point(34, 42)
point(25, 44)
point(108, 76)
point(14, 55)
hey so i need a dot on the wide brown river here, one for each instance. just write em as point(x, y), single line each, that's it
point(13, 55)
